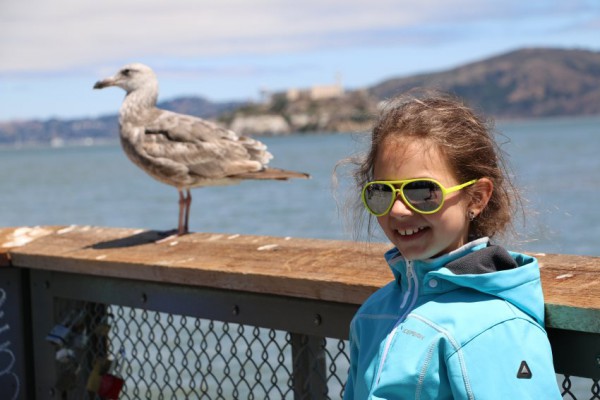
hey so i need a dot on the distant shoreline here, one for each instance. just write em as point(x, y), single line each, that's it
point(99, 142)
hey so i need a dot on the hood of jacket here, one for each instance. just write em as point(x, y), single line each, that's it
point(480, 266)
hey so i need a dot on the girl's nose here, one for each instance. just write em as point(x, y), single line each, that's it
point(399, 209)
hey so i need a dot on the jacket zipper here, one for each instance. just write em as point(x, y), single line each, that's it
point(412, 292)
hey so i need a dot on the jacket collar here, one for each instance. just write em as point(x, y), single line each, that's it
point(398, 263)
point(511, 276)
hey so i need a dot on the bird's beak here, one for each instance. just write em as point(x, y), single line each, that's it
point(105, 83)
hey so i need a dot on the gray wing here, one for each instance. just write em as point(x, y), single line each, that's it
point(207, 150)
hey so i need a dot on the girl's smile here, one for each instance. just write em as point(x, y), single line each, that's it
point(420, 236)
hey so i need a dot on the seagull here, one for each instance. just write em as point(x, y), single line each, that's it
point(180, 150)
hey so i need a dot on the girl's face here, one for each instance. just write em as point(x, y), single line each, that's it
point(418, 236)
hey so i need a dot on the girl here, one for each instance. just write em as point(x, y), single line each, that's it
point(463, 319)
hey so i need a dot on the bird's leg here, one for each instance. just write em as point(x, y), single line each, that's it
point(184, 215)
point(188, 203)
point(181, 229)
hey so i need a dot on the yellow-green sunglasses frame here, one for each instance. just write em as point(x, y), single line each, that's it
point(400, 190)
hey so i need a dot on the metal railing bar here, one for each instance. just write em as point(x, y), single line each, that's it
point(311, 317)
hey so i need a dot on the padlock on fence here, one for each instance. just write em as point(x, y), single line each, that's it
point(80, 339)
point(61, 333)
point(101, 367)
point(111, 384)
point(103, 326)
point(65, 355)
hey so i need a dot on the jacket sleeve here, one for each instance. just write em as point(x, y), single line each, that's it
point(511, 360)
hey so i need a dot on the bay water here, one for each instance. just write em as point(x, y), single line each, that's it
point(556, 163)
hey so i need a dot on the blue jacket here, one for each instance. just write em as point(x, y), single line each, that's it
point(466, 325)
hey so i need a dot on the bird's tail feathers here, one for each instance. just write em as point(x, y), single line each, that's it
point(272, 173)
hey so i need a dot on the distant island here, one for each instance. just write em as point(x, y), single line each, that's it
point(526, 83)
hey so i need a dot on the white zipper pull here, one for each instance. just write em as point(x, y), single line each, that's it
point(409, 278)
point(415, 286)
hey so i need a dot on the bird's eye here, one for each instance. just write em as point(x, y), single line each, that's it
point(126, 72)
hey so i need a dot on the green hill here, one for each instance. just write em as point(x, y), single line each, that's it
point(526, 83)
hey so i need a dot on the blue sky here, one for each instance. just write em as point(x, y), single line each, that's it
point(52, 52)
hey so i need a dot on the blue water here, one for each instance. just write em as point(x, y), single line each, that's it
point(555, 162)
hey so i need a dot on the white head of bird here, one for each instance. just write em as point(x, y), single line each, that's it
point(131, 77)
point(135, 78)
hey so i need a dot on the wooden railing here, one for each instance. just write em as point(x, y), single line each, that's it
point(250, 279)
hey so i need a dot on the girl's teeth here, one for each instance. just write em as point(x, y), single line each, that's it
point(410, 231)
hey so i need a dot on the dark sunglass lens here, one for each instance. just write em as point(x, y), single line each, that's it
point(423, 195)
point(378, 197)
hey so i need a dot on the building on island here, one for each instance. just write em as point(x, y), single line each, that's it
point(315, 92)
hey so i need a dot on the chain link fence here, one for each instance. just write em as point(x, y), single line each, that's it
point(578, 391)
point(156, 355)
point(106, 350)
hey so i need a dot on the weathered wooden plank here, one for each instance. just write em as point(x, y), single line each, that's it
point(571, 280)
point(316, 269)
point(327, 270)
point(572, 291)
point(12, 237)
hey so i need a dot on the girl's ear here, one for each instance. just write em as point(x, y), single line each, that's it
point(480, 195)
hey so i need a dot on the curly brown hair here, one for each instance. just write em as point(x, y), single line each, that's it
point(467, 141)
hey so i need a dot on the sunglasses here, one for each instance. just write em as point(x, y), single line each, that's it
point(422, 195)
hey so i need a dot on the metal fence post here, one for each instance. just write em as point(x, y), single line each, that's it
point(309, 374)
point(42, 320)
point(16, 357)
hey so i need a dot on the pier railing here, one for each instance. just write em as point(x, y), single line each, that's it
point(87, 312)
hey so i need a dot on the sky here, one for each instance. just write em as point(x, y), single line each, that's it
point(52, 52)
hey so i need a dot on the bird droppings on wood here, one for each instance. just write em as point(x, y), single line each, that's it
point(564, 276)
point(268, 247)
point(68, 229)
point(22, 236)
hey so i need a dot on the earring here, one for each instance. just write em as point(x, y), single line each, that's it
point(471, 215)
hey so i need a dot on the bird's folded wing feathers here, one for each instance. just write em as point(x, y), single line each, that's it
point(203, 147)
point(186, 128)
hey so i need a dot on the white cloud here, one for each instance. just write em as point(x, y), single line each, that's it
point(37, 35)
point(51, 51)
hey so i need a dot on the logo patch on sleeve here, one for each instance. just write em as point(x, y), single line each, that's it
point(524, 371)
